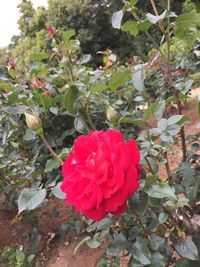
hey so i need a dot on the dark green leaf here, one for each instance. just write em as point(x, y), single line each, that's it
point(186, 248)
point(138, 202)
point(104, 223)
point(161, 190)
point(159, 260)
point(70, 100)
point(80, 126)
point(163, 216)
point(141, 253)
point(51, 164)
point(57, 191)
point(29, 135)
point(119, 243)
point(30, 199)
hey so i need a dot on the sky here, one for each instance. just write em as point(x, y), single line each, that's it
point(9, 16)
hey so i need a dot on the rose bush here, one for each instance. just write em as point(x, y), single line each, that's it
point(101, 173)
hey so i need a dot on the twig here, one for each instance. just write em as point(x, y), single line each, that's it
point(51, 150)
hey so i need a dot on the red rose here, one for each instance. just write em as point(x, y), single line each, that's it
point(51, 30)
point(101, 173)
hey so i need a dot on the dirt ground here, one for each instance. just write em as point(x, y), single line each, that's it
point(54, 253)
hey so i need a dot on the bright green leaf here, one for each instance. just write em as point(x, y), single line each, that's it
point(119, 79)
point(130, 26)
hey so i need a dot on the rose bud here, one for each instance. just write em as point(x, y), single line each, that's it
point(34, 123)
point(51, 30)
point(10, 64)
point(37, 83)
point(111, 114)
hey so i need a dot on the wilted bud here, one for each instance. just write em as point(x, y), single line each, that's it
point(34, 123)
point(111, 114)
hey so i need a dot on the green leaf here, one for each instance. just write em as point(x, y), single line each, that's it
point(133, 263)
point(152, 179)
point(119, 78)
point(137, 122)
point(133, 2)
point(154, 19)
point(188, 19)
point(70, 100)
point(57, 191)
point(173, 129)
point(161, 190)
point(104, 223)
point(174, 119)
point(186, 248)
point(99, 88)
point(80, 126)
point(12, 73)
point(160, 109)
point(117, 19)
point(163, 216)
point(130, 26)
point(5, 85)
point(182, 263)
point(158, 260)
point(93, 243)
point(141, 253)
point(39, 57)
point(20, 257)
point(80, 244)
point(162, 124)
point(139, 77)
point(30, 199)
point(14, 109)
point(151, 109)
point(138, 202)
point(119, 243)
point(29, 135)
point(144, 25)
point(68, 35)
point(51, 165)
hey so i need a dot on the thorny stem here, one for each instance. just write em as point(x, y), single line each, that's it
point(149, 165)
point(147, 33)
point(156, 13)
point(169, 175)
point(182, 132)
point(141, 225)
point(89, 118)
point(50, 149)
point(168, 44)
